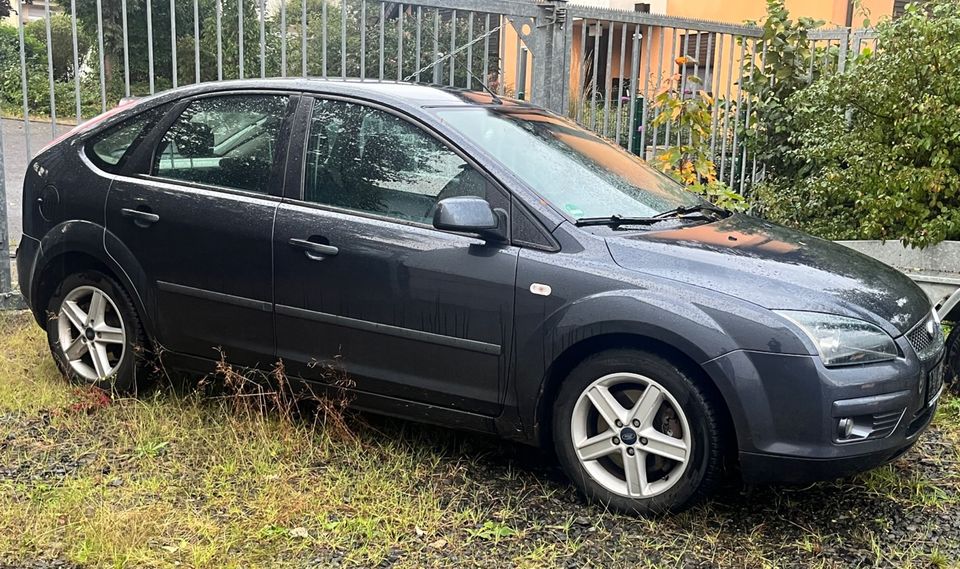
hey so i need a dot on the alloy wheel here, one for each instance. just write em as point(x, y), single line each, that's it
point(630, 435)
point(91, 333)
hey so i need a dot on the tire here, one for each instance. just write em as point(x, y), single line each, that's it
point(692, 437)
point(112, 330)
point(951, 362)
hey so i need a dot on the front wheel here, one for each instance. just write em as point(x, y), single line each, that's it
point(635, 433)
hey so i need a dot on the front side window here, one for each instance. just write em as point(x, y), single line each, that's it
point(371, 161)
point(228, 141)
point(574, 169)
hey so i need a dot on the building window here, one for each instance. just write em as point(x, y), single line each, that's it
point(898, 7)
point(699, 47)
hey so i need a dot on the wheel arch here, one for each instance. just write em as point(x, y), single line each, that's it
point(573, 355)
point(949, 308)
point(77, 246)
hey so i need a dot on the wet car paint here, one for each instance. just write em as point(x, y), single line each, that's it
point(700, 292)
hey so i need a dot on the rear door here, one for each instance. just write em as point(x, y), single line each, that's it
point(365, 284)
point(198, 216)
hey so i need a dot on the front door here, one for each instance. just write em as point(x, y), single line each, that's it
point(199, 220)
point(365, 285)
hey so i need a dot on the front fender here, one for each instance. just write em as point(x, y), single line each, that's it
point(634, 312)
point(698, 323)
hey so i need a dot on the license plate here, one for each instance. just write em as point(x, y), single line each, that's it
point(934, 383)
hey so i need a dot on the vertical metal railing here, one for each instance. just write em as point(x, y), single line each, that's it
point(681, 55)
point(608, 65)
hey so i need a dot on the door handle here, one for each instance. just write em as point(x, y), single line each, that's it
point(314, 251)
point(140, 218)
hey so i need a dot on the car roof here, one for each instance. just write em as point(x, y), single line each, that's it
point(414, 98)
point(388, 92)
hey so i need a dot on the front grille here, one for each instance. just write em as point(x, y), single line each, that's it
point(926, 338)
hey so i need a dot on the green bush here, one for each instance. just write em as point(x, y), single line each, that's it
point(38, 79)
point(61, 36)
point(881, 142)
point(10, 85)
point(770, 81)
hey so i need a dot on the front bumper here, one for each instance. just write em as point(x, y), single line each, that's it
point(788, 412)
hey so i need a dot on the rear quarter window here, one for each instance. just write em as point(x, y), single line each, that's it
point(109, 148)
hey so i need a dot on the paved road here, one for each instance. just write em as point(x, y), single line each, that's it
point(14, 156)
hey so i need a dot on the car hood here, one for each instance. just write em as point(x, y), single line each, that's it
point(777, 268)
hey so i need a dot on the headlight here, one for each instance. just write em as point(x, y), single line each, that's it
point(841, 340)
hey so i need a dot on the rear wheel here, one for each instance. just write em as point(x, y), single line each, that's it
point(94, 332)
point(634, 432)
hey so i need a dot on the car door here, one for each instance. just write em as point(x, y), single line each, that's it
point(197, 215)
point(365, 285)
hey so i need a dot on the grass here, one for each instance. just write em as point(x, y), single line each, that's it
point(207, 482)
point(193, 480)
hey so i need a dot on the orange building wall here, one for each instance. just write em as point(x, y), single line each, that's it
point(832, 12)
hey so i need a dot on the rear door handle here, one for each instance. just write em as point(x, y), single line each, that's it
point(140, 217)
point(315, 251)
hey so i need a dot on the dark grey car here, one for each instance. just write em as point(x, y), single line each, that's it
point(478, 263)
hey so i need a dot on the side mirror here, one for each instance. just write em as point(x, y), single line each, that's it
point(468, 214)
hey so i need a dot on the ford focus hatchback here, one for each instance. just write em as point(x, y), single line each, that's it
point(477, 263)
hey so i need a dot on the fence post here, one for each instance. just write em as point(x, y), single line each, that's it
point(550, 44)
point(5, 284)
point(9, 299)
point(843, 47)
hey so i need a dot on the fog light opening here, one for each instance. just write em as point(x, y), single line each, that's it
point(845, 428)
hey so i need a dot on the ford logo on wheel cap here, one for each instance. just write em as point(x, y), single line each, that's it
point(628, 436)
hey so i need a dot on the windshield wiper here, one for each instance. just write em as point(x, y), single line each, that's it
point(617, 221)
point(685, 210)
point(701, 211)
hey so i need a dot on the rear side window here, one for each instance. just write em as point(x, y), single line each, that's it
point(108, 149)
point(228, 141)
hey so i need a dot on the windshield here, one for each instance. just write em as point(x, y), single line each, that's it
point(572, 168)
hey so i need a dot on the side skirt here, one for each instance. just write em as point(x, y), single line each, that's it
point(360, 400)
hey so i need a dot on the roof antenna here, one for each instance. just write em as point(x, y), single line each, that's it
point(486, 88)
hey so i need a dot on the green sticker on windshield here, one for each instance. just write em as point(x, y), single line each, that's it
point(573, 210)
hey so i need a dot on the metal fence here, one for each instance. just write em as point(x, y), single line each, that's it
point(599, 67)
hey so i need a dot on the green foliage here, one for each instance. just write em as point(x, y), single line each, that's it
point(137, 39)
point(324, 48)
point(690, 161)
point(38, 80)
point(782, 69)
point(324, 57)
point(61, 40)
point(493, 531)
point(10, 86)
point(10, 46)
point(881, 142)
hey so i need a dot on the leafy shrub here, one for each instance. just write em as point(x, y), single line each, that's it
point(690, 161)
point(771, 80)
point(882, 141)
point(10, 85)
point(61, 40)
